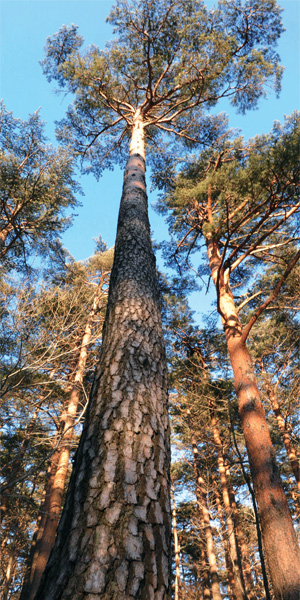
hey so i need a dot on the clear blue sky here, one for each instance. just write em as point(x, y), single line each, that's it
point(25, 25)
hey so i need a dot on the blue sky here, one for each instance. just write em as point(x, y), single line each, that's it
point(25, 25)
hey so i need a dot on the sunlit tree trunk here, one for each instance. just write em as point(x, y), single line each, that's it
point(238, 583)
point(203, 509)
point(114, 535)
point(50, 511)
point(177, 583)
point(9, 572)
point(205, 582)
point(294, 460)
point(228, 562)
point(250, 587)
point(279, 539)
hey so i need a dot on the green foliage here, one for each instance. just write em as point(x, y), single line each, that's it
point(36, 188)
point(254, 189)
point(172, 61)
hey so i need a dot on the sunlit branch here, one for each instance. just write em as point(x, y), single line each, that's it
point(270, 299)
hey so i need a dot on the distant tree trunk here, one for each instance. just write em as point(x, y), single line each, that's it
point(203, 509)
point(9, 573)
point(17, 469)
point(114, 535)
point(279, 539)
point(294, 460)
point(50, 511)
point(205, 582)
point(224, 535)
point(242, 544)
point(238, 583)
point(177, 583)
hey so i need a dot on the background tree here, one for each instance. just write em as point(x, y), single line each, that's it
point(45, 380)
point(245, 203)
point(37, 186)
point(157, 75)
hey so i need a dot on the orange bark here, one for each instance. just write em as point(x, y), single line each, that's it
point(279, 539)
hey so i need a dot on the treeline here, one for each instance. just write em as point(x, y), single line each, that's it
point(234, 379)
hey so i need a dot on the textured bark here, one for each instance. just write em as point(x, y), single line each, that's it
point(203, 508)
point(177, 583)
point(114, 536)
point(238, 582)
point(279, 539)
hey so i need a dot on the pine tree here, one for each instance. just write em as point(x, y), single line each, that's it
point(36, 188)
point(159, 74)
point(244, 202)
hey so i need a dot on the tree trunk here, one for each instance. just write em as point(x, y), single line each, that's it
point(241, 541)
point(292, 456)
point(205, 583)
point(238, 582)
point(8, 577)
point(224, 536)
point(177, 583)
point(114, 535)
point(50, 511)
point(279, 539)
point(203, 508)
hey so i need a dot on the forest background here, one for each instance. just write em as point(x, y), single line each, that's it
point(25, 27)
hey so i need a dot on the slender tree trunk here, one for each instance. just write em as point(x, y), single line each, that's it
point(17, 469)
point(279, 539)
point(224, 535)
point(239, 586)
point(203, 508)
point(50, 511)
point(241, 542)
point(177, 583)
point(206, 588)
point(294, 460)
point(9, 573)
point(114, 536)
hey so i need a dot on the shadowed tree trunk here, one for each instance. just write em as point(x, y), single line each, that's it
point(114, 535)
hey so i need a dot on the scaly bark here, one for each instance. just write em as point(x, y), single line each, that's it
point(279, 539)
point(114, 535)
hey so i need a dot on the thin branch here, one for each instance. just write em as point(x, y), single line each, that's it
point(272, 297)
